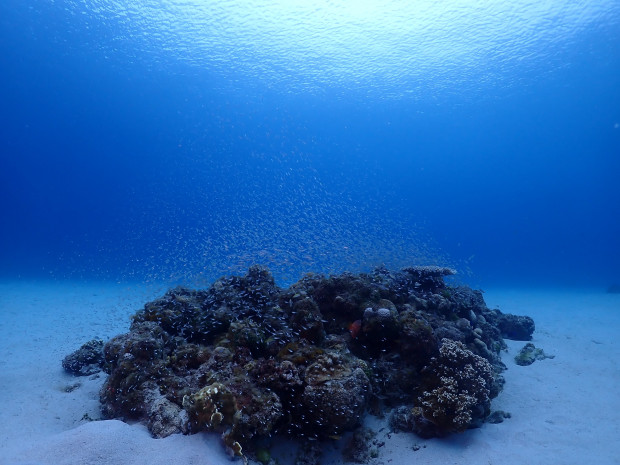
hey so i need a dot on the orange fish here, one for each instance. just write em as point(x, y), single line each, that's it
point(355, 327)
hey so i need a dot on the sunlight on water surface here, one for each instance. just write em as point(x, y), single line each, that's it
point(390, 46)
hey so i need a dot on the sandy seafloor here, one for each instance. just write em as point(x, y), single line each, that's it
point(564, 410)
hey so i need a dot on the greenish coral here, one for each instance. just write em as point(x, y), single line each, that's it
point(240, 411)
point(529, 354)
point(263, 455)
point(212, 407)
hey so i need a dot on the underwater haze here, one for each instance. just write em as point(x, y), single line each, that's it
point(179, 141)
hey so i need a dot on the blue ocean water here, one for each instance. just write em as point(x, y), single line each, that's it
point(181, 140)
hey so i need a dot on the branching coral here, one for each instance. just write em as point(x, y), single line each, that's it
point(458, 393)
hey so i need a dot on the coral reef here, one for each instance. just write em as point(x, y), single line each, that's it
point(309, 453)
point(458, 391)
point(85, 361)
point(248, 359)
point(336, 393)
point(518, 328)
point(362, 446)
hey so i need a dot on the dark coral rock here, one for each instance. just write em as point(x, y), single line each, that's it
point(336, 394)
point(248, 359)
point(417, 340)
point(379, 326)
point(185, 313)
point(283, 377)
point(85, 361)
point(468, 302)
point(361, 447)
point(392, 381)
point(145, 342)
point(133, 359)
point(428, 278)
point(516, 328)
point(189, 357)
point(309, 453)
point(306, 320)
point(401, 419)
point(249, 334)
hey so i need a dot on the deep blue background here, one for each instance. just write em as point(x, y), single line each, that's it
point(115, 168)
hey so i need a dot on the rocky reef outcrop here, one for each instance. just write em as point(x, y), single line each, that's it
point(249, 359)
point(87, 360)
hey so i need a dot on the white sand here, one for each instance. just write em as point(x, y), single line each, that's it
point(564, 410)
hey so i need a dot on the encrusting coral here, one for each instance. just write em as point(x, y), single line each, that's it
point(248, 359)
